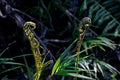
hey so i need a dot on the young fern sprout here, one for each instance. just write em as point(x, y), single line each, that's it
point(83, 27)
point(35, 45)
point(84, 24)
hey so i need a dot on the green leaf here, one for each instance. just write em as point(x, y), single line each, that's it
point(12, 63)
point(104, 15)
point(56, 66)
point(83, 7)
point(75, 75)
point(107, 42)
point(108, 66)
point(93, 8)
point(22, 55)
point(110, 25)
point(101, 47)
point(62, 56)
point(95, 69)
point(100, 69)
point(108, 3)
point(100, 12)
point(3, 51)
point(85, 47)
point(9, 69)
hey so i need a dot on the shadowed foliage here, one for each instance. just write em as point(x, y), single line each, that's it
point(58, 31)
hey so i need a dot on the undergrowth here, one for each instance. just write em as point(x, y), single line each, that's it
point(99, 52)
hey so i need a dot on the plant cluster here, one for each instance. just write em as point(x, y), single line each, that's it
point(79, 37)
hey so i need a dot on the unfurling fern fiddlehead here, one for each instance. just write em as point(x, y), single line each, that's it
point(35, 44)
point(85, 23)
point(83, 27)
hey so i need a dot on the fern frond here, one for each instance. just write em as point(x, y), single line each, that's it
point(105, 13)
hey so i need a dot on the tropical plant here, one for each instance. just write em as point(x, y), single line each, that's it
point(9, 61)
point(61, 18)
point(105, 28)
point(105, 18)
point(89, 67)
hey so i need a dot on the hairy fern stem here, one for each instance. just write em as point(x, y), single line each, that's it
point(85, 23)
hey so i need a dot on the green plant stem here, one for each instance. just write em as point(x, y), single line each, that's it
point(82, 35)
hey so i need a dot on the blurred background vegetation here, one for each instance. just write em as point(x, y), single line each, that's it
point(57, 27)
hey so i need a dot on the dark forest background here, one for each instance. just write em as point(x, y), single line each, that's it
point(57, 24)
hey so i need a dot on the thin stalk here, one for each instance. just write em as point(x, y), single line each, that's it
point(84, 23)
